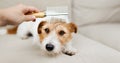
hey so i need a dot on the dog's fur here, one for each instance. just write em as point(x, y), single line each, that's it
point(54, 31)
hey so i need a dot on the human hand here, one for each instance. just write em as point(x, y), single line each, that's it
point(17, 14)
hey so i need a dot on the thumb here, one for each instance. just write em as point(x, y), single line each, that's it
point(29, 18)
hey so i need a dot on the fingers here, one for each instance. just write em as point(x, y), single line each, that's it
point(32, 9)
point(29, 9)
point(24, 18)
point(29, 18)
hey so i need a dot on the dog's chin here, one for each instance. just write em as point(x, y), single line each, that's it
point(51, 53)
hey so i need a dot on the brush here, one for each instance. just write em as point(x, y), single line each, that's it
point(52, 11)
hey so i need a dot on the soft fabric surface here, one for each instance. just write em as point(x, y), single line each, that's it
point(108, 34)
point(15, 50)
point(92, 11)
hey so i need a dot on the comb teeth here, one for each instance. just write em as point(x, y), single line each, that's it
point(54, 11)
point(59, 12)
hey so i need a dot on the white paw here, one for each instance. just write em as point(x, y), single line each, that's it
point(69, 51)
point(25, 37)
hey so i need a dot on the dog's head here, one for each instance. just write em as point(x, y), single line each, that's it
point(55, 34)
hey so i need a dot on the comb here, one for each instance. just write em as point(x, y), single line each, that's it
point(52, 11)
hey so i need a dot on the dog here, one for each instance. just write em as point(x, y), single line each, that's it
point(52, 35)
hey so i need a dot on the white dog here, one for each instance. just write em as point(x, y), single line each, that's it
point(53, 35)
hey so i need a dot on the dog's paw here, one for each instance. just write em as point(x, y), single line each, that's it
point(25, 37)
point(69, 52)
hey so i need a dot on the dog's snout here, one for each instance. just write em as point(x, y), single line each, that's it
point(49, 47)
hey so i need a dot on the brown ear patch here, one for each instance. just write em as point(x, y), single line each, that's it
point(40, 26)
point(72, 27)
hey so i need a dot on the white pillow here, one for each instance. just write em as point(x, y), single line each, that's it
point(108, 34)
point(91, 11)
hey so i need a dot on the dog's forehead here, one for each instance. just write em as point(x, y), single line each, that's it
point(54, 21)
point(55, 25)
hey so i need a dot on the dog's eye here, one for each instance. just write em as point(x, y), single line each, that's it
point(61, 32)
point(47, 30)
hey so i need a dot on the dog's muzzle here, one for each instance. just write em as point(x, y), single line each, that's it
point(49, 47)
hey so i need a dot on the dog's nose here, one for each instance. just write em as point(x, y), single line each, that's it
point(49, 47)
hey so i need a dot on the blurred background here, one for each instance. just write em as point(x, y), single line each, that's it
point(41, 4)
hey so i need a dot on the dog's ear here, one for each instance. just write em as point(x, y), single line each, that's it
point(40, 26)
point(72, 27)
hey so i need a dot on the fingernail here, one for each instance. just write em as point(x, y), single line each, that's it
point(34, 20)
point(33, 17)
